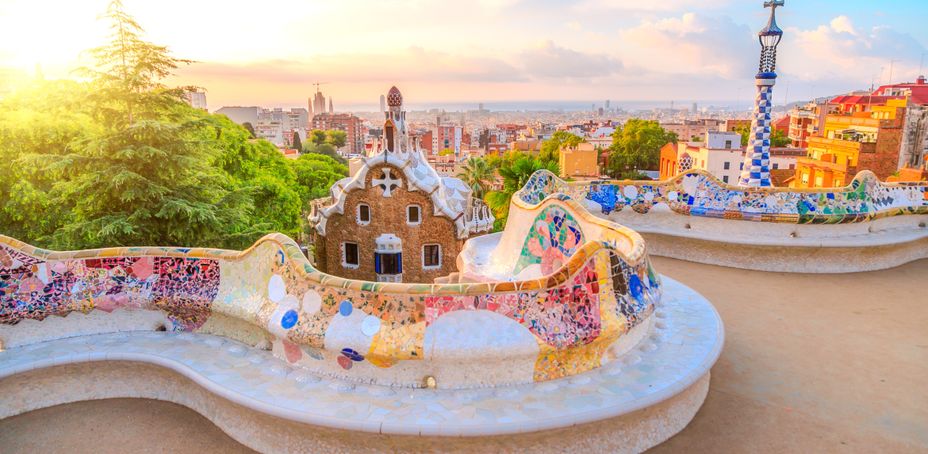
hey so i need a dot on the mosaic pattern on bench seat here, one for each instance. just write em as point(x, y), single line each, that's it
point(698, 193)
point(595, 291)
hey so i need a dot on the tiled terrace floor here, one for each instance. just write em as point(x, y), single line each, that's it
point(812, 363)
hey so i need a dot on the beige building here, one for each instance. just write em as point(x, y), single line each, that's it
point(579, 161)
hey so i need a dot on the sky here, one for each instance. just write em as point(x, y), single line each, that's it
point(270, 52)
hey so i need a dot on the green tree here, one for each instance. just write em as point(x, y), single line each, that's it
point(144, 177)
point(325, 149)
point(318, 137)
point(636, 146)
point(477, 174)
point(43, 117)
point(515, 169)
point(777, 137)
point(296, 142)
point(336, 138)
point(120, 159)
point(550, 148)
point(251, 129)
point(745, 132)
point(317, 173)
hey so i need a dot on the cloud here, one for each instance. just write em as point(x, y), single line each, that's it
point(690, 44)
point(426, 73)
point(416, 64)
point(548, 60)
point(843, 24)
point(413, 64)
point(841, 52)
point(646, 6)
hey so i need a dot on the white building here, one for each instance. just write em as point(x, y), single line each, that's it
point(241, 114)
point(601, 137)
point(271, 124)
point(197, 99)
point(722, 140)
point(721, 155)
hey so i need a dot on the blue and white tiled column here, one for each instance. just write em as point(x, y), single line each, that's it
point(756, 171)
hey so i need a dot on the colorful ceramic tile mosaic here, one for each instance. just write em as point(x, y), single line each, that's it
point(698, 193)
point(589, 292)
point(554, 236)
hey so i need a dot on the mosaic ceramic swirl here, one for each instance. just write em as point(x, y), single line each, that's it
point(698, 193)
point(595, 285)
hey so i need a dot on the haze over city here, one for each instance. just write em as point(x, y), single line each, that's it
point(508, 52)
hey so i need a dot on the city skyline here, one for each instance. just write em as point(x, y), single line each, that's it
point(585, 51)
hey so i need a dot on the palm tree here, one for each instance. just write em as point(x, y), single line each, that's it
point(515, 174)
point(476, 173)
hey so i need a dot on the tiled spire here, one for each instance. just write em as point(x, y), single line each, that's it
point(756, 170)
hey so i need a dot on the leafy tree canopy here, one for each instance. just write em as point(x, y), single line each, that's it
point(336, 138)
point(122, 159)
point(515, 170)
point(477, 174)
point(551, 147)
point(636, 146)
point(777, 137)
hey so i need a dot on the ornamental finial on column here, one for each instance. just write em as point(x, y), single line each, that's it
point(769, 38)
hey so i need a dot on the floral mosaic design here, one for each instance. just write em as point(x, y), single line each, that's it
point(31, 288)
point(563, 317)
point(697, 193)
point(554, 236)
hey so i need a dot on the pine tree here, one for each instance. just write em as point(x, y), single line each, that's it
point(145, 178)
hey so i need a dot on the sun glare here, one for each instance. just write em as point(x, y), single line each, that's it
point(51, 38)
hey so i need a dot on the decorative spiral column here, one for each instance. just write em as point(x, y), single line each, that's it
point(756, 169)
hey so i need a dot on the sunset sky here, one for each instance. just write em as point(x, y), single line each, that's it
point(269, 53)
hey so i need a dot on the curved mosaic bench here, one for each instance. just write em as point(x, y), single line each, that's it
point(573, 306)
point(867, 225)
point(389, 333)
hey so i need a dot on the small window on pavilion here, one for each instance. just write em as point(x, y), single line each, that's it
point(351, 258)
point(413, 215)
point(364, 214)
point(431, 256)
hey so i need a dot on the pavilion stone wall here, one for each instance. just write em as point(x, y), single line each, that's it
point(388, 215)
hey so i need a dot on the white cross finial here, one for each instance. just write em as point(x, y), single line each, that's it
point(387, 182)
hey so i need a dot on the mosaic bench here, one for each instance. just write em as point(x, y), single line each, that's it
point(867, 225)
point(571, 305)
